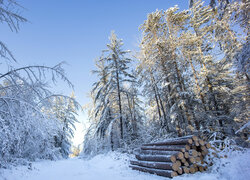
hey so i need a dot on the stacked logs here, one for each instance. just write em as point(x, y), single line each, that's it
point(172, 157)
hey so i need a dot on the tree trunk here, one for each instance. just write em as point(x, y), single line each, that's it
point(165, 173)
point(174, 141)
point(133, 123)
point(158, 158)
point(157, 102)
point(161, 104)
point(157, 165)
point(119, 95)
point(181, 148)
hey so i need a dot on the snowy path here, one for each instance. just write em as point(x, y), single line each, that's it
point(113, 166)
point(105, 167)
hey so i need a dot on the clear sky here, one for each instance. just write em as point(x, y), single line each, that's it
point(76, 31)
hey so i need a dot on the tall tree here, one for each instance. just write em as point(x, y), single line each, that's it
point(117, 65)
point(113, 104)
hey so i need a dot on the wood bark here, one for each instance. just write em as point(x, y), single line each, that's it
point(159, 158)
point(157, 152)
point(171, 142)
point(157, 165)
point(186, 170)
point(165, 148)
point(180, 171)
point(119, 95)
point(165, 173)
point(183, 155)
point(159, 98)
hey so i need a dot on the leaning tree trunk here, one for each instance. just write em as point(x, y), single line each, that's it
point(161, 104)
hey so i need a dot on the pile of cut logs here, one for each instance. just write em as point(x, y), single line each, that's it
point(172, 157)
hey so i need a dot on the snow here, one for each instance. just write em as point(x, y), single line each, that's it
point(115, 166)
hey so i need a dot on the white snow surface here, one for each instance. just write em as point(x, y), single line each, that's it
point(114, 166)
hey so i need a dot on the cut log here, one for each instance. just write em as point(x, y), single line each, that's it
point(178, 163)
point(196, 169)
point(159, 158)
point(180, 171)
point(157, 165)
point(186, 170)
point(173, 156)
point(178, 154)
point(201, 169)
point(165, 148)
point(186, 155)
point(192, 170)
point(183, 160)
point(193, 153)
point(201, 142)
point(191, 159)
point(196, 143)
point(187, 147)
point(178, 141)
point(195, 138)
point(186, 164)
point(165, 173)
point(197, 159)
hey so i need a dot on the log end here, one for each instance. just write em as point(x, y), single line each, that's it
point(180, 171)
point(175, 166)
point(180, 155)
point(190, 141)
point(192, 170)
point(186, 155)
point(186, 170)
point(173, 159)
point(173, 174)
point(195, 138)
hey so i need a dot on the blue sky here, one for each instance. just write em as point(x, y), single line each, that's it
point(77, 31)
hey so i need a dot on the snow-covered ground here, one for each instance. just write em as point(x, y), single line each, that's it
point(114, 166)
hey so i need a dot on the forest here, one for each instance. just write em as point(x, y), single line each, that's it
point(189, 76)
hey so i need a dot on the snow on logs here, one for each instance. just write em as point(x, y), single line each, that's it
point(172, 157)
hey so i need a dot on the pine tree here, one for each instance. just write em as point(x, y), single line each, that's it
point(117, 65)
point(112, 101)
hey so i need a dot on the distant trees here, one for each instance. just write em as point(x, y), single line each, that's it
point(64, 108)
